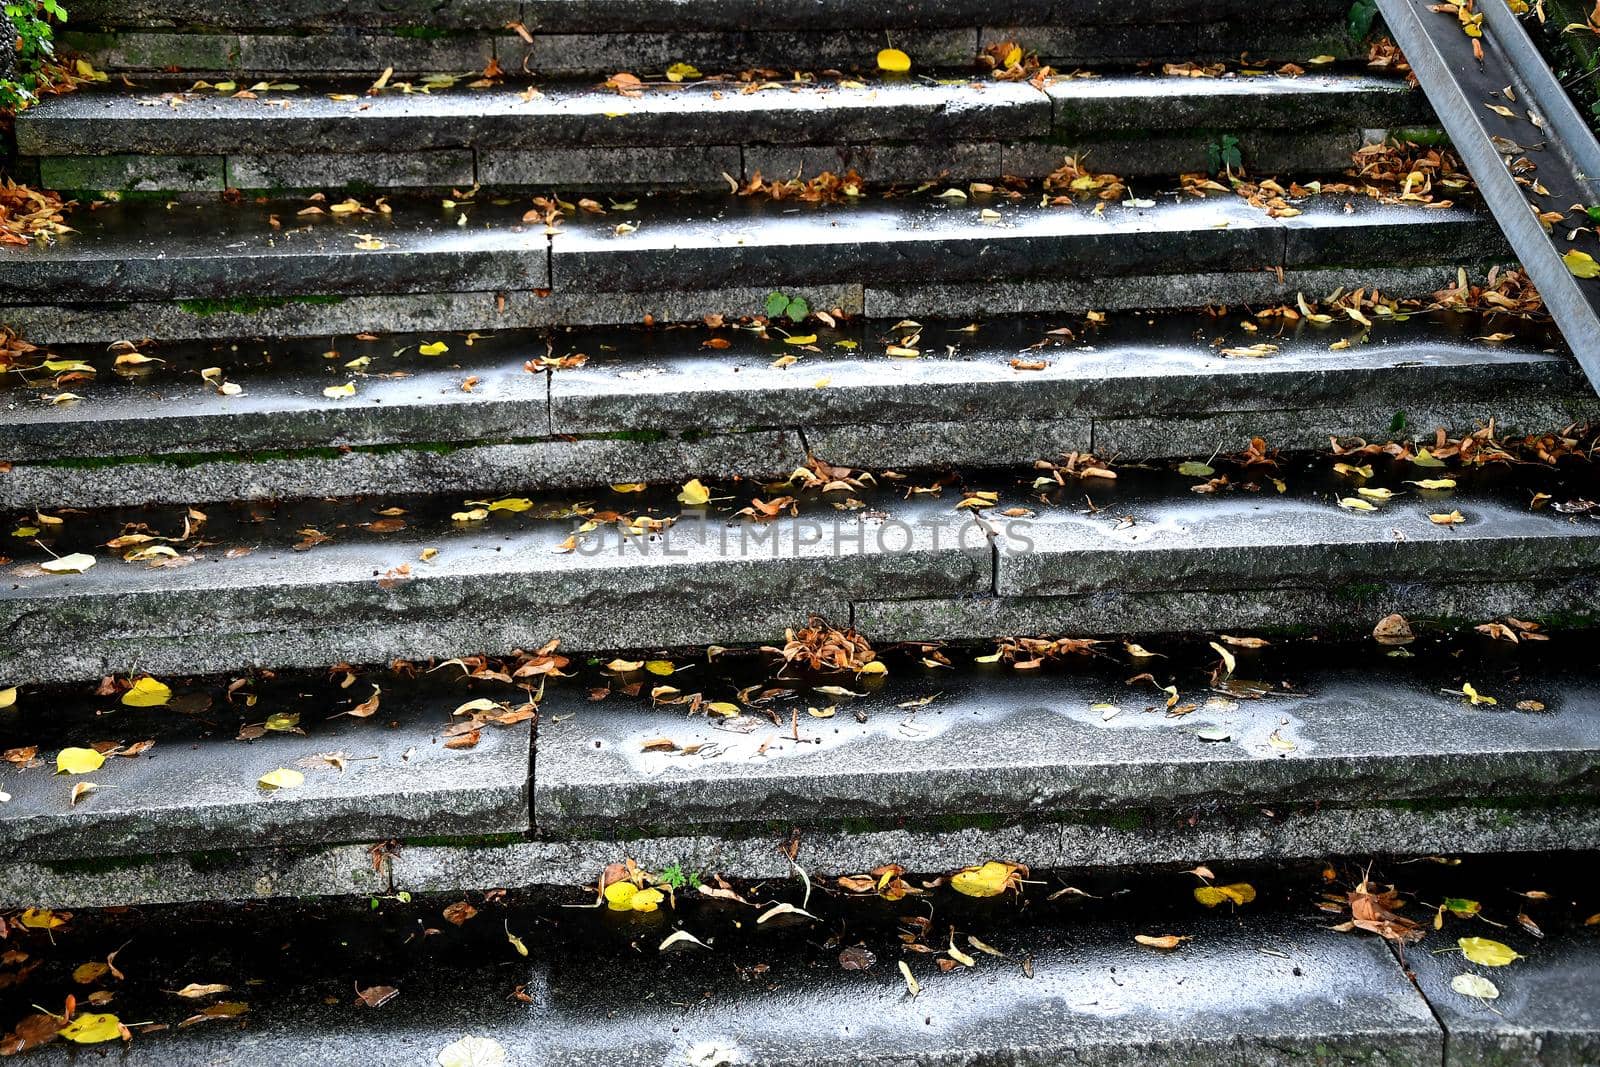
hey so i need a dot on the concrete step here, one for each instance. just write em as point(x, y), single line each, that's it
point(308, 583)
point(923, 766)
point(226, 271)
point(660, 406)
point(691, 135)
point(555, 38)
point(392, 773)
point(1267, 984)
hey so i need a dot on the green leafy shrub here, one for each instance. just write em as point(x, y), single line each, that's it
point(34, 46)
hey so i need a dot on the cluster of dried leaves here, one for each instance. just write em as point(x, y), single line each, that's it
point(824, 188)
point(822, 647)
point(1579, 443)
point(28, 215)
point(1073, 181)
point(1010, 62)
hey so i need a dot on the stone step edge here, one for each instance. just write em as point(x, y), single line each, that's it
point(524, 861)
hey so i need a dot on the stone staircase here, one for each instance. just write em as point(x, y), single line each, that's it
point(389, 336)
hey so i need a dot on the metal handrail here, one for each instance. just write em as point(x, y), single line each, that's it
point(1543, 128)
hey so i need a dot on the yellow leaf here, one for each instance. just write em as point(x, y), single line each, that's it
point(78, 761)
point(1448, 519)
point(646, 900)
point(989, 880)
point(1014, 56)
point(1487, 953)
point(1355, 503)
point(1476, 697)
point(902, 352)
point(722, 707)
point(679, 71)
point(147, 692)
point(42, 919)
point(694, 494)
point(434, 348)
point(8, 697)
point(76, 563)
point(1353, 471)
point(473, 1051)
point(894, 61)
point(1433, 483)
point(92, 1028)
point(801, 339)
point(336, 392)
point(875, 667)
point(281, 779)
point(511, 503)
point(1501, 110)
point(630, 487)
point(1581, 264)
point(1376, 494)
point(1212, 895)
point(662, 667)
point(516, 942)
point(623, 666)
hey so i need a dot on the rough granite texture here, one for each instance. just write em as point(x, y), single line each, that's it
point(1546, 1014)
point(995, 743)
point(197, 790)
point(1090, 996)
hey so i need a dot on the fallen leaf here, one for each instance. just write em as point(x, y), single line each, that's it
point(989, 879)
point(1488, 953)
point(76, 563)
point(78, 761)
point(1475, 985)
point(1164, 941)
point(894, 61)
point(473, 1051)
point(93, 1028)
point(281, 779)
point(147, 692)
point(1212, 895)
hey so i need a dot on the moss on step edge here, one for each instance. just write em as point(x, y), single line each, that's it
point(249, 305)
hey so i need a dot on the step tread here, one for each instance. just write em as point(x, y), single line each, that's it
point(706, 113)
point(196, 789)
point(204, 252)
point(1252, 987)
point(637, 380)
point(1286, 559)
point(994, 742)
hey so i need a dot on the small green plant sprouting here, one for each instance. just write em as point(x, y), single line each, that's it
point(781, 304)
point(1223, 154)
point(1359, 23)
point(676, 877)
point(35, 45)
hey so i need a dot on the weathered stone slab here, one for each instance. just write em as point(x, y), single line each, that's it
point(1349, 610)
point(1158, 157)
point(992, 441)
point(996, 743)
point(494, 469)
point(505, 584)
point(219, 256)
point(1310, 428)
point(1269, 41)
point(695, 168)
point(705, 114)
point(1268, 990)
point(1545, 1013)
point(572, 55)
point(133, 173)
point(259, 55)
point(442, 169)
point(1236, 102)
point(297, 14)
point(877, 162)
point(196, 789)
point(886, 242)
point(1330, 230)
point(1146, 292)
point(251, 874)
point(1264, 542)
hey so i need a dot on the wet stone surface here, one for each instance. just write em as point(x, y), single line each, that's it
point(1263, 983)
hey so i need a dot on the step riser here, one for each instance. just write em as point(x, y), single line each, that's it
point(816, 252)
point(580, 55)
point(66, 323)
point(597, 16)
point(692, 169)
point(699, 138)
point(432, 868)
